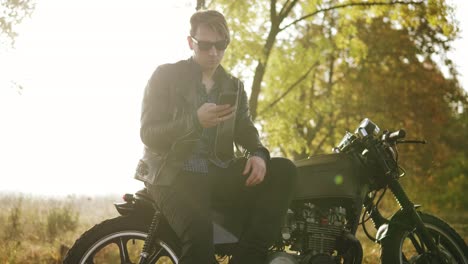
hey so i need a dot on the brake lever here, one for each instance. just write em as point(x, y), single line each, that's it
point(411, 142)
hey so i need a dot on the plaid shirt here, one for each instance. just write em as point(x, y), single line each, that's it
point(200, 159)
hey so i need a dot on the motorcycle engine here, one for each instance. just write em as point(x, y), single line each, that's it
point(281, 258)
point(313, 230)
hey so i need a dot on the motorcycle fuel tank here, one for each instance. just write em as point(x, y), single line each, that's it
point(328, 175)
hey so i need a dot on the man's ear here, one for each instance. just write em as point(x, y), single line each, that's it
point(190, 42)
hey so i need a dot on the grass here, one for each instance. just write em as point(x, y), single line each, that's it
point(37, 229)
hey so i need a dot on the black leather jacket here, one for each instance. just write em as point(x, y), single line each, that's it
point(168, 121)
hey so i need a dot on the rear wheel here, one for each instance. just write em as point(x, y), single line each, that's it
point(406, 248)
point(120, 240)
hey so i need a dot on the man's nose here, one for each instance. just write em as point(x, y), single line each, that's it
point(213, 51)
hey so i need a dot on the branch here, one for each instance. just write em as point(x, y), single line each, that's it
point(289, 89)
point(273, 16)
point(284, 6)
point(312, 133)
point(200, 5)
point(331, 129)
point(320, 145)
point(286, 9)
point(349, 5)
point(208, 6)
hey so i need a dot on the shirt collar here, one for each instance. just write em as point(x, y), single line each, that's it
point(219, 74)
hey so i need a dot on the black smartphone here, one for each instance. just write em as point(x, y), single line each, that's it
point(227, 98)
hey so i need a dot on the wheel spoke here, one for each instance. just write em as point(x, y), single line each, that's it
point(159, 253)
point(416, 244)
point(123, 251)
point(437, 240)
point(409, 247)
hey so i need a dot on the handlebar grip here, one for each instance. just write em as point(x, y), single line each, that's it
point(397, 134)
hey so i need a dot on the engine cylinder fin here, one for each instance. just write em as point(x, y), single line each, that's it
point(322, 238)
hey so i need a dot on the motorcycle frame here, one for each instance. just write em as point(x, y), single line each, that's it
point(407, 219)
point(387, 176)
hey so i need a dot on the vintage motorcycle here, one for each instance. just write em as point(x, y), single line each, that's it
point(321, 222)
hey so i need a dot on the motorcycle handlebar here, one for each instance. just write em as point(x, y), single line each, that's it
point(399, 134)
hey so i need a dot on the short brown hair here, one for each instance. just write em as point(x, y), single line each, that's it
point(212, 19)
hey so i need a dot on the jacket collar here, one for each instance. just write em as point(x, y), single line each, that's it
point(221, 77)
point(220, 73)
point(192, 74)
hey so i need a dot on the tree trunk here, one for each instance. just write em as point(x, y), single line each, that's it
point(260, 70)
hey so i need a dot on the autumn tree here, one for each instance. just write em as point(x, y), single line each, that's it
point(305, 54)
point(266, 23)
point(12, 12)
point(319, 67)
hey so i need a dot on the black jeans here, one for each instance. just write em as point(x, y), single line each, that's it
point(187, 206)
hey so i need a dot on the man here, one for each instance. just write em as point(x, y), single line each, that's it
point(189, 165)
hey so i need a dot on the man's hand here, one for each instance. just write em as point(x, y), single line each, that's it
point(257, 168)
point(210, 114)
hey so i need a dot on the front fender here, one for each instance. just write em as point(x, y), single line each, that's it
point(140, 203)
point(125, 208)
point(399, 221)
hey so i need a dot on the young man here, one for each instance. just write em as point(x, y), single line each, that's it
point(189, 165)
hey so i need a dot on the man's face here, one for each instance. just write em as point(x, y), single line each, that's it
point(207, 58)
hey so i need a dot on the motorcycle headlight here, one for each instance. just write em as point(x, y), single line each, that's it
point(367, 127)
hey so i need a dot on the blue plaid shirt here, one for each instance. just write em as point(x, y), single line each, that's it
point(199, 160)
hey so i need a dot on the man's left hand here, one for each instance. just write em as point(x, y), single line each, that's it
point(257, 168)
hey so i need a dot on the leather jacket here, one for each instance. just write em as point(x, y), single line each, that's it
point(169, 122)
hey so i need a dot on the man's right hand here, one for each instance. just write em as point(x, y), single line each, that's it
point(210, 114)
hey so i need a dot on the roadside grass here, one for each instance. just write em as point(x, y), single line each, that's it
point(38, 229)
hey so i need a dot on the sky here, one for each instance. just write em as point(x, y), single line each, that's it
point(74, 126)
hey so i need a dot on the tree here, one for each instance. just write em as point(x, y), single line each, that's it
point(313, 49)
point(271, 22)
point(319, 67)
point(12, 12)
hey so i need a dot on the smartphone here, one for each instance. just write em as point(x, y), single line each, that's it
point(227, 98)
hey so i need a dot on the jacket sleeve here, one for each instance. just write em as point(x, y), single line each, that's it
point(159, 129)
point(246, 134)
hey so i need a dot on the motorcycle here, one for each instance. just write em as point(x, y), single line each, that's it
point(321, 222)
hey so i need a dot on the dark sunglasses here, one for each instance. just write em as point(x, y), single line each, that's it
point(206, 45)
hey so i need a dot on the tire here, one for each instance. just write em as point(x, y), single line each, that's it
point(400, 249)
point(120, 240)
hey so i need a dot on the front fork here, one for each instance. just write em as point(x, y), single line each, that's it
point(407, 218)
point(149, 241)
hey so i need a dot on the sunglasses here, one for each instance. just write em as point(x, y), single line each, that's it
point(207, 45)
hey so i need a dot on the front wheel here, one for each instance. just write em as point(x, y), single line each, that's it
point(406, 248)
point(120, 240)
